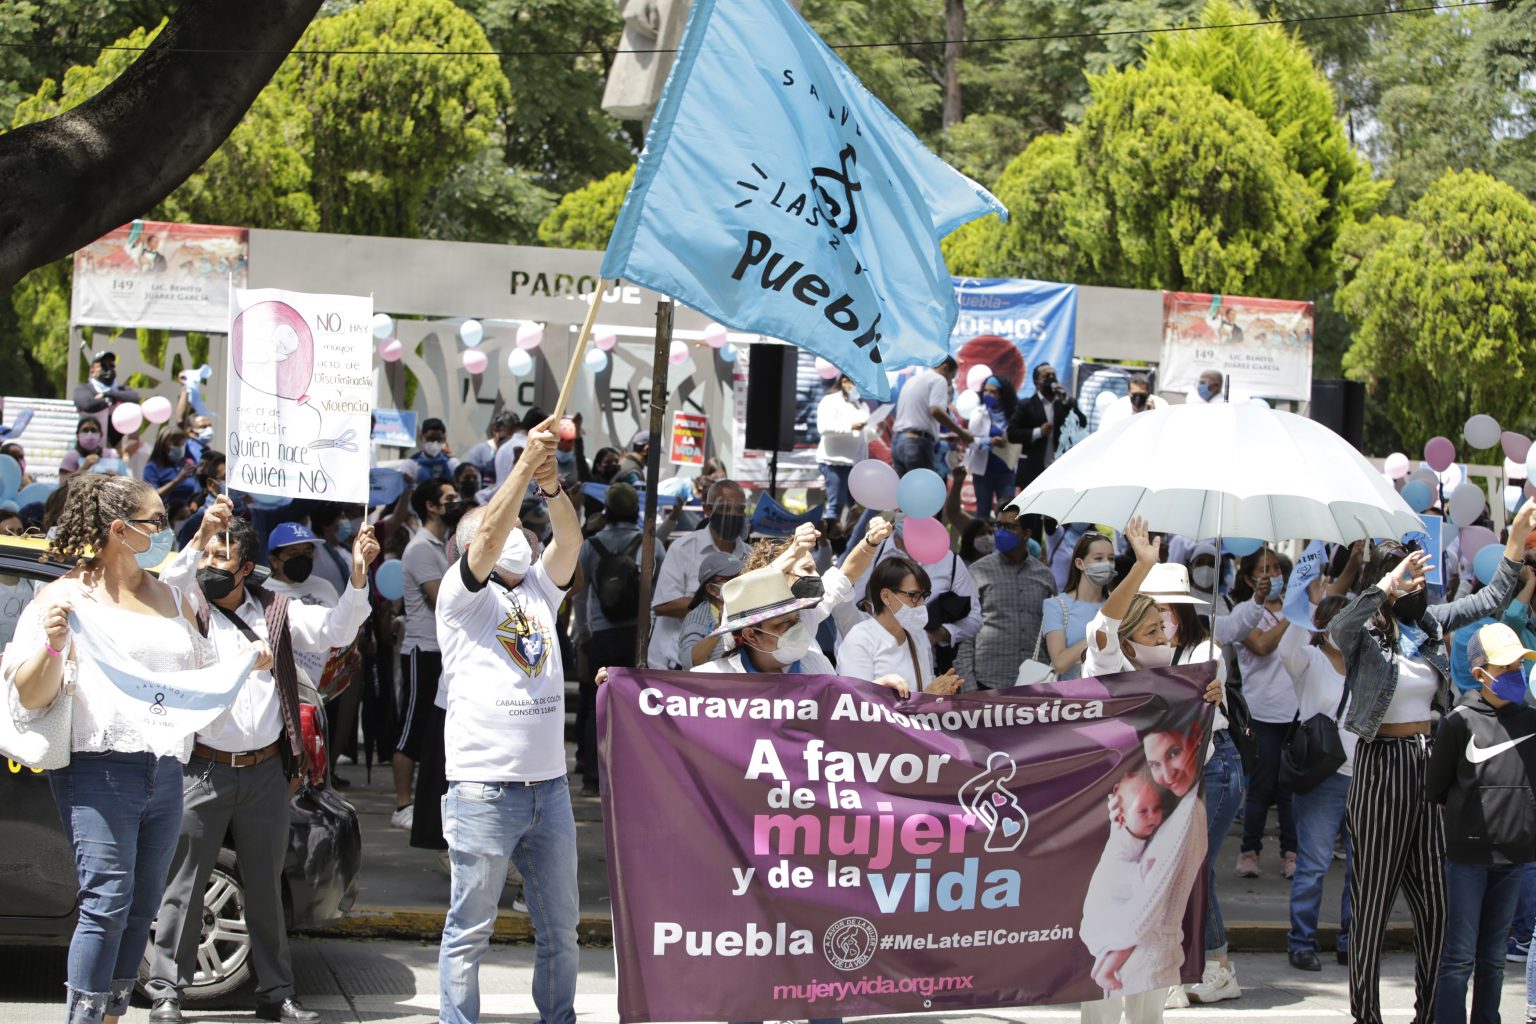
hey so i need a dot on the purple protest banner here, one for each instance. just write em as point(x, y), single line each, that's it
point(793, 847)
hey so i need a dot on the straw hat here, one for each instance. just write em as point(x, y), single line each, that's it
point(758, 596)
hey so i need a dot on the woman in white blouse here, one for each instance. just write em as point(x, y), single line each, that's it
point(892, 647)
point(840, 419)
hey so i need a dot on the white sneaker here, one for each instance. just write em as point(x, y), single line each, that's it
point(403, 817)
point(1216, 984)
point(1177, 999)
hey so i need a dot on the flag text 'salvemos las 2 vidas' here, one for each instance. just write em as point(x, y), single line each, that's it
point(808, 846)
point(778, 196)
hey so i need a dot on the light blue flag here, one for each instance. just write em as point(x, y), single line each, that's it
point(776, 195)
point(1297, 605)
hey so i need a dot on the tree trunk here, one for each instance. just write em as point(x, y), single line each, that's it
point(954, 48)
point(69, 180)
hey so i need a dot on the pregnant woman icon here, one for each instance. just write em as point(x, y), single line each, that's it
point(988, 800)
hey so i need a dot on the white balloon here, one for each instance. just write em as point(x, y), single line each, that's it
point(1425, 476)
point(471, 332)
point(530, 336)
point(1467, 502)
point(383, 325)
point(519, 362)
point(1397, 466)
point(1482, 431)
point(1452, 476)
point(596, 360)
point(967, 403)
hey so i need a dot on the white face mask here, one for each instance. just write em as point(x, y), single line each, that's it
point(985, 544)
point(1100, 573)
point(432, 448)
point(1152, 657)
point(516, 554)
point(793, 645)
point(912, 619)
point(1170, 627)
point(1203, 577)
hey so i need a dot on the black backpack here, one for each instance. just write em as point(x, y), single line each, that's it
point(617, 581)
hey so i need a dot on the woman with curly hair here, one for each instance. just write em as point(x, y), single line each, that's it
point(119, 802)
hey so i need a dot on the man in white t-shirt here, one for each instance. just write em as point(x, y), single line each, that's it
point(921, 409)
point(508, 799)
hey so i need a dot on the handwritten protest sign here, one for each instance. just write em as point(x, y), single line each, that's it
point(851, 854)
point(300, 394)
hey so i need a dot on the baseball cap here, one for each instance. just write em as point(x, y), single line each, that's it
point(640, 440)
point(284, 534)
point(104, 355)
point(1497, 644)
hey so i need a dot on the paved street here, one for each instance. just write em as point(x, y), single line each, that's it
point(356, 980)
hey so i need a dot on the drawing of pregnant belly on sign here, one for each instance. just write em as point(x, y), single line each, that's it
point(986, 798)
point(274, 352)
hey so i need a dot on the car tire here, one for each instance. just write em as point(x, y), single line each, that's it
point(224, 950)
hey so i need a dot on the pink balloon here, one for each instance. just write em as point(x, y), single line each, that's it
point(714, 335)
point(530, 336)
point(1439, 453)
point(566, 430)
point(678, 354)
point(873, 485)
point(1516, 446)
point(1474, 539)
point(390, 350)
point(128, 417)
point(825, 370)
point(606, 341)
point(475, 361)
point(157, 408)
point(926, 540)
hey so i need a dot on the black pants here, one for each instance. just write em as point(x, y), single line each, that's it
point(1265, 789)
point(611, 648)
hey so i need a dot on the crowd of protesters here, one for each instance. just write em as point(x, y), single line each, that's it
point(520, 566)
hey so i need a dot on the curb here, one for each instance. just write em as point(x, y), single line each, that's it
point(425, 924)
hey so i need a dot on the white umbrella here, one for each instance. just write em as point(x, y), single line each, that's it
point(1222, 470)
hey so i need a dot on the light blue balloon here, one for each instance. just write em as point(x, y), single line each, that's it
point(1486, 562)
point(1418, 495)
point(35, 492)
point(269, 501)
point(10, 476)
point(1242, 547)
point(920, 494)
point(728, 353)
point(390, 580)
point(596, 360)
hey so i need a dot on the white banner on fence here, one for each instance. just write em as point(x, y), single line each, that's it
point(300, 394)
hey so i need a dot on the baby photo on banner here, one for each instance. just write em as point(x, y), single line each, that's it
point(300, 394)
point(849, 853)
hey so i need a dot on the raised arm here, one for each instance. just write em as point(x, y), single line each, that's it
point(1145, 548)
point(560, 557)
point(501, 515)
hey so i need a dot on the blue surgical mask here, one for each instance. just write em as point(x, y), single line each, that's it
point(1509, 686)
point(160, 544)
point(1006, 541)
point(176, 453)
point(1204, 391)
point(990, 401)
point(346, 530)
point(205, 436)
point(1276, 586)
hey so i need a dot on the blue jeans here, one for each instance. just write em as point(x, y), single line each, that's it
point(1319, 820)
point(1223, 796)
point(487, 824)
point(839, 497)
point(909, 452)
point(995, 485)
point(122, 814)
point(1480, 902)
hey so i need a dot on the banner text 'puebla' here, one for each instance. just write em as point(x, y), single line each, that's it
point(777, 195)
point(811, 846)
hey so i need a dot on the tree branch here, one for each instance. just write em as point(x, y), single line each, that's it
point(69, 180)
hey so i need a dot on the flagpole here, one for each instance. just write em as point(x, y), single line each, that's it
point(653, 477)
point(581, 349)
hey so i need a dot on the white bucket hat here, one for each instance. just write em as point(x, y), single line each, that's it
point(758, 596)
point(1168, 583)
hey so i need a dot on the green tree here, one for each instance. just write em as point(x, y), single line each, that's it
point(584, 219)
point(1443, 305)
point(1036, 188)
point(555, 129)
point(484, 200)
point(385, 132)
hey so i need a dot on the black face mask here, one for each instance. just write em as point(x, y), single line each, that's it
point(453, 511)
point(1410, 608)
point(808, 586)
point(107, 375)
point(298, 567)
point(217, 584)
point(1139, 399)
point(468, 488)
point(606, 472)
point(727, 525)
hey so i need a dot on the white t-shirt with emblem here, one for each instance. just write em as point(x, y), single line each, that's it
point(504, 677)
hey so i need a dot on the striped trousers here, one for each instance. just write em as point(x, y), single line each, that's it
point(1399, 844)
